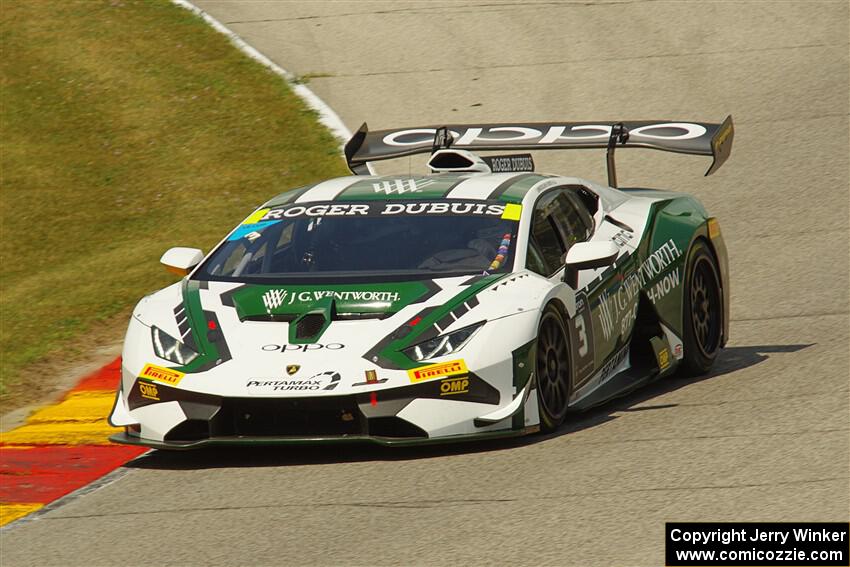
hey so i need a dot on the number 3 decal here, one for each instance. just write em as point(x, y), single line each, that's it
point(582, 335)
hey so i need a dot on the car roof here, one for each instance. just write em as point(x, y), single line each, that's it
point(509, 187)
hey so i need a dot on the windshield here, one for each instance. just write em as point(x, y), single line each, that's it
point(410, 239)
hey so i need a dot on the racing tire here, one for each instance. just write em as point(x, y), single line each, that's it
point(703, 311)
point(552, 370)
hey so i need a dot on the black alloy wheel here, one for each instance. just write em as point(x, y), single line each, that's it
point(552, 370)
point(703, 311)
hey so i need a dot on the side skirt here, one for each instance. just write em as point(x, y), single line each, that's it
point(623, 383)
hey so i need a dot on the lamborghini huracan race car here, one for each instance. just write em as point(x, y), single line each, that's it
point(482, 300)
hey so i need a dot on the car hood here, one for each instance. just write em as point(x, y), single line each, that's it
point(249, 333)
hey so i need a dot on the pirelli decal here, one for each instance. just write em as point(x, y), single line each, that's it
point(441, 370)
point(161, 374)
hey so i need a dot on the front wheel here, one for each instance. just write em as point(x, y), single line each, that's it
point(552, 370)
point(703, 315)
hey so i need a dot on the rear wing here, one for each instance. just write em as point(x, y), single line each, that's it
point(697, 138)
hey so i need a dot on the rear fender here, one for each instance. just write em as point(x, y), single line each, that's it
point(675, 224)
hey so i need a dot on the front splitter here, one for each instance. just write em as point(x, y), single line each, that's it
point(125, 439)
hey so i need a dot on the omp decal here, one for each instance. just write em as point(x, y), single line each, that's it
point(161, 374)
point(453, 386)
point(512, 211)
point(140, 395)
point(661, 348)
point(469, 388)
point(149, 391)
point(664, 359)
point(443, 369)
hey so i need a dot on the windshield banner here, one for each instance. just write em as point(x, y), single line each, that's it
point(378, 209)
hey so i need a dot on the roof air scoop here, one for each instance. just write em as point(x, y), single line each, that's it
point(447, 160)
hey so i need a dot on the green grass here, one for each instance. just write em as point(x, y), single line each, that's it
point(127, 128)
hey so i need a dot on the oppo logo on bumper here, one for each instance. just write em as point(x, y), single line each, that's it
point(303, 348)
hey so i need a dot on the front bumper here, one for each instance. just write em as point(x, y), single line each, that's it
point(168, 417)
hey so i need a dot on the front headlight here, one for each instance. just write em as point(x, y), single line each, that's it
point(442, 345)
point(169, 348)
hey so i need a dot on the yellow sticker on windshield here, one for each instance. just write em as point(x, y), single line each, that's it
point(256, 216)
point(512, 211)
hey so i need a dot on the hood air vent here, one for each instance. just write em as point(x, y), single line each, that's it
point(310, 325)
point(448, 160)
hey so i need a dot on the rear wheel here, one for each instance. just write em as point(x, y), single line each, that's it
point(552, 370)
point(703, 316)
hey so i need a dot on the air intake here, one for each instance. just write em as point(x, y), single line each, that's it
point(448, 160)
point(310, 325)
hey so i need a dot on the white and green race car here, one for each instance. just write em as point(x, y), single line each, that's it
point(482, 300)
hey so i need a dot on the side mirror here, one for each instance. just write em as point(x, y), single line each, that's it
point(586, 256)
point(180, 260)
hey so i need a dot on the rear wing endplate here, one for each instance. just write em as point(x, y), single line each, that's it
point(697, 138)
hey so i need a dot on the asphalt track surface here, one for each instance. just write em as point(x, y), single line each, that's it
point(764, 437)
